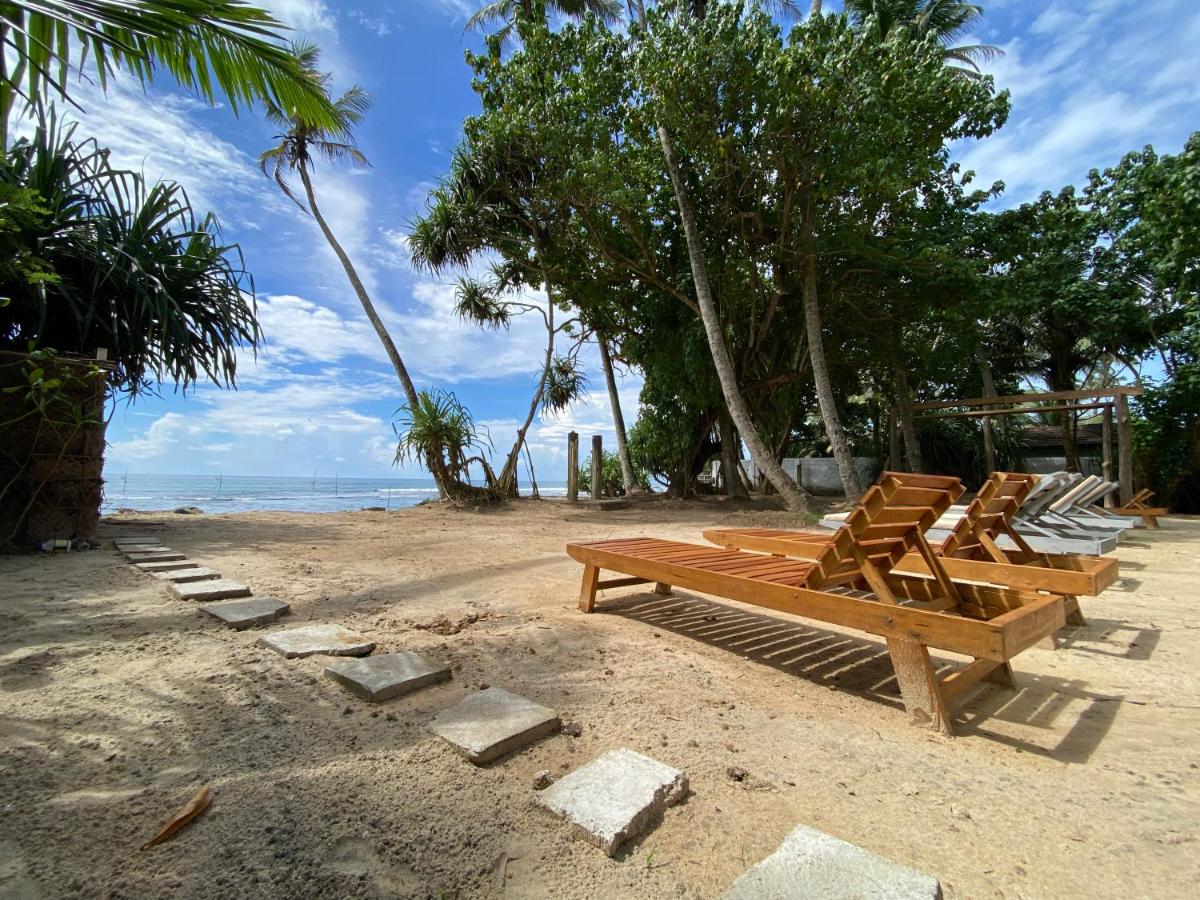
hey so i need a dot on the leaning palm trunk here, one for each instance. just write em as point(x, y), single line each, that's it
point(389, 346)
point(627, 473)
point(765, 462)
point(825, 399)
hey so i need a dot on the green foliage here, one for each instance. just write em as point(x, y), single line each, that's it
point(612, 482)
point(565, 383)
point(96, 258)
point(302, 137)
point(209, 46)
point(440, 433)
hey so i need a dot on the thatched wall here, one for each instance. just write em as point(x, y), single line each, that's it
point(51, 458)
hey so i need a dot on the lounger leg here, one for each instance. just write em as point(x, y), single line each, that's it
point(1150, 521)
point(587, 590)
point(661, 588)
point(919, 685)
point(1002, 675)
point(1074, 614)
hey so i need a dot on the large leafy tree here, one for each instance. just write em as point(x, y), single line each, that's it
point(95, 258)
point(213, 47)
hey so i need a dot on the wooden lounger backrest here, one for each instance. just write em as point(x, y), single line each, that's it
point(988, 516)
point(889, 521)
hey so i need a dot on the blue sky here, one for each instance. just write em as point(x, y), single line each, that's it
point(1090, 81)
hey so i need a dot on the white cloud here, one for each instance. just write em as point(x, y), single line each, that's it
point(1090, 82)
point(303, 15)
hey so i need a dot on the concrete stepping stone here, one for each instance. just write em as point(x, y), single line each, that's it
point(812, 865)
point(142, 549)
point(218, 589)
point(378, 678)
point(155, 556)
point(170, 565)
point(492, 722)
point(310, 640)
point(183, 576)
point(246, 613)
point(615, 797)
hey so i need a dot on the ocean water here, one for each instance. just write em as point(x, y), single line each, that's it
point(246, 493)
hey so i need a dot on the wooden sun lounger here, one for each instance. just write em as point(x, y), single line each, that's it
point(971, 552)
point(1037, 516)
point(850, 583)
point(1139, 505)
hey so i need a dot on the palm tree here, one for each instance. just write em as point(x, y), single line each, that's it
point(944, 20)
point(92, 256)
point(505, 13)
point(208, 46)
point(299, 143)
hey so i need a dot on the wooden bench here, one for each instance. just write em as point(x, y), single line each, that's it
point(850, 582)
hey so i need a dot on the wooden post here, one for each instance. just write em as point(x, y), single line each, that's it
point(1106, 467)
point(1124, 448)
point(573, 466)
point(597, 466)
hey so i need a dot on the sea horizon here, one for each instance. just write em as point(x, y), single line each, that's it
point(222, 493)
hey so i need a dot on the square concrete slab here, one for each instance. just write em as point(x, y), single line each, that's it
point(170, 565)
point(310, 640)
point(183, 576)
point(246, 613)
point(615, 797)
point(812, 865)
point(378, 678)
point(141, 550)
point(218, 589)
point(493, 722)
point(155, 556)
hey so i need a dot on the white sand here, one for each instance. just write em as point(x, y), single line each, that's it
point(118, 701)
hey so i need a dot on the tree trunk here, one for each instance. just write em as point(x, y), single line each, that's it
point(795, 498)
point(507, 484)
point(730, 456)
point(820, 369)
point(389, 346)
point(815, 9)
point(912, 444)
point(1062, 380)
point(627, 474)
point(894, 457)
point(989, 390)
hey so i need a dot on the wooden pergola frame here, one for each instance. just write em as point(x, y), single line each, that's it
point(1107, 399)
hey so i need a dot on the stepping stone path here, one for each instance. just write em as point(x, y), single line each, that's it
point(218, 589)
point(183, 576)
point(310, 640)
point(246, 613)
point(615, 797)
point(155, 556)
point(172, 565)
point(493, 722)
point(812, 865)
point(378, 678)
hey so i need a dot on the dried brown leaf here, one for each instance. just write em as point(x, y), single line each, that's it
point(193, 808)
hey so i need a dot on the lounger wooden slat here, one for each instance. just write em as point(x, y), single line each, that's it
point(849, 581)
point(970, 552)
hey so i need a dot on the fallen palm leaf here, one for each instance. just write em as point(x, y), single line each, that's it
point(193, 808)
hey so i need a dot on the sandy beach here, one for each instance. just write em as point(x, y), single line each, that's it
point(118, 702)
